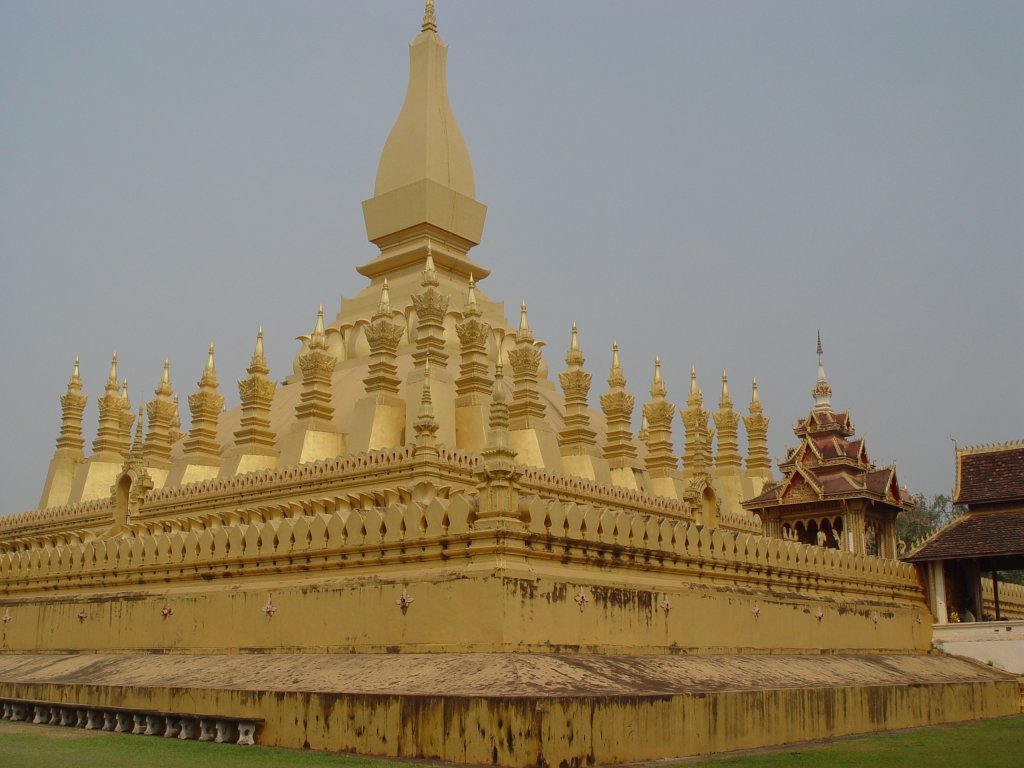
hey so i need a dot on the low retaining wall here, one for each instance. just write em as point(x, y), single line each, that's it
point(524, 710)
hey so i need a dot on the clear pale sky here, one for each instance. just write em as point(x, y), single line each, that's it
point(710, 182)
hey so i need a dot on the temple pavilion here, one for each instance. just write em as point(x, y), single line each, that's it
point(831, 493)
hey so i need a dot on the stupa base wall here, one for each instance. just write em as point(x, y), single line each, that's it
point(528, 710)
point(536, 607)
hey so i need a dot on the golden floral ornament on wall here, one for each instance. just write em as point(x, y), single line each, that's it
point(581, 599)
point(404, 601)
point(269, 609)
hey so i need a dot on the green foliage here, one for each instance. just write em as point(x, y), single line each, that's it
point(927, 515)
point(987, 744)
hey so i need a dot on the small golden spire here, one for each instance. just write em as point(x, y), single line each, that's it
point(164, 387)
point(124, 391)
point(112, 378)
point(645, 427)
point(136, 449)
point(693, 380)
point(574, 357)
point(725, 402)
point(471, 299)
point(317, 339)
point(384, 305)
point(209, 377)
point(75, 380)
point(258, 358)
point(429, 275)
point(524, 333)
point(754, 398)
point(657, 385)
point(616, 377)
point(429, 19)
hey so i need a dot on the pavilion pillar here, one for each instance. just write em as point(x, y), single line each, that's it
point(937, 591)
point(995, 592)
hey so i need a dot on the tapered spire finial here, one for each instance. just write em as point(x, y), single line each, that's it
point(429, 19)
point(524, 333)
point(822, 392)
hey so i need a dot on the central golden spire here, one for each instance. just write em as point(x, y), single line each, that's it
point(424, 190)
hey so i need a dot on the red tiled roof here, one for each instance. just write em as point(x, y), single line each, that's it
point(981, 534)
point(987, 475)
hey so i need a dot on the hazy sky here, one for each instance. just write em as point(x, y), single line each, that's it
point(710, 182)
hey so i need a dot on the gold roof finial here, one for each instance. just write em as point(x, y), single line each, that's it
point(524, 333)
point(471, 299)
point(258, 360)
point(75, 380)
point(429, 19)
point(209, 377)
point(164, 387)
point(574, 356)
point(124, 390)
point(616, 377)
point(754, 398)
point(429, 275)
point(316, 338)
point(657, 385)
point(384, 307)
point(693, 380)
point(725, 384)
point(112, 378)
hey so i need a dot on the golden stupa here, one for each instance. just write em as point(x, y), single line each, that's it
point(417, 545)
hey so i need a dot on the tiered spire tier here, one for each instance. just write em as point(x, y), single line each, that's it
point(256, 393)
point(726, 423)
point(617, 405)
point(659, 414)
point(160, 411)
point(205, 404)
point(527, 409)
point(72, 405)
point(577, 434)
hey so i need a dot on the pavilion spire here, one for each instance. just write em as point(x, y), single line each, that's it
point(822, 392)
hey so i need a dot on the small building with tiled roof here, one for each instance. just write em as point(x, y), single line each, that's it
point(987, 539)
point(831, 493)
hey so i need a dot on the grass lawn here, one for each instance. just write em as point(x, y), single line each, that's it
point(990, 744)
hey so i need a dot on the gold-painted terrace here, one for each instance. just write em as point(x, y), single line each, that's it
point(419, 545)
